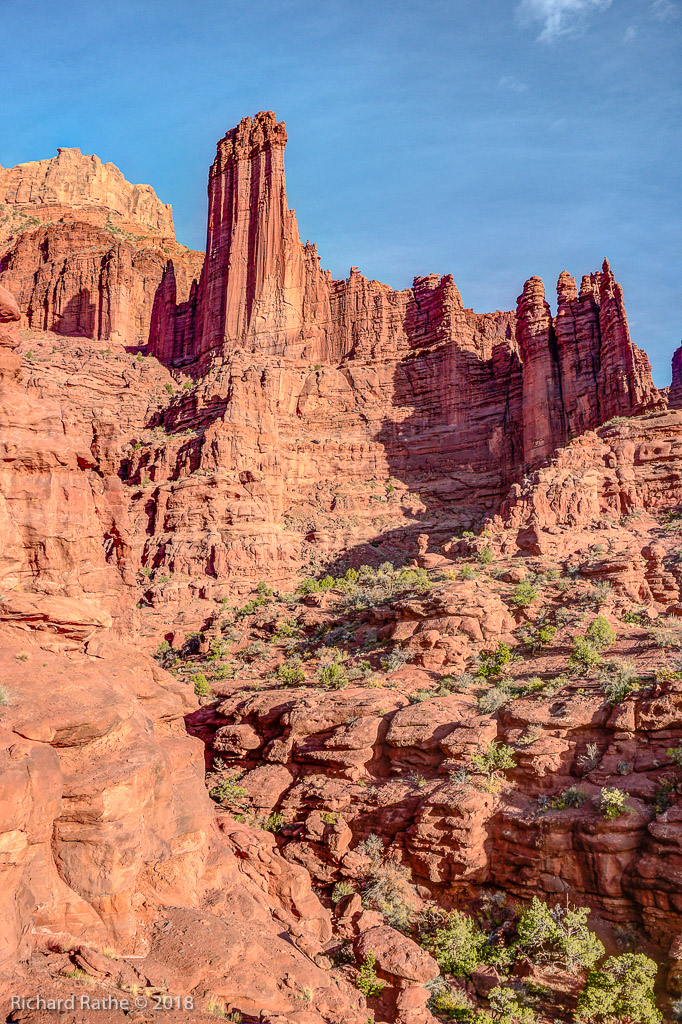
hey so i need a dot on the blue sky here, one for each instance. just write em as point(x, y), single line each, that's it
point(493, 139)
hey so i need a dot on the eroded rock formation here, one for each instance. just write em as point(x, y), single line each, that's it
point(282, 421)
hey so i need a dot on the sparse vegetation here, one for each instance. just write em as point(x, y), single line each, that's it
point(611, 803)
point(368, 982)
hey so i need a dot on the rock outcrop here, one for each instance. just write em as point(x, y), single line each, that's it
point(84, 251)
point(675, 393)
point(263, 292)
point(73, 185)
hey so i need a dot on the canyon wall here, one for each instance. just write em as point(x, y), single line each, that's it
point(263, 292)
point(84, 251)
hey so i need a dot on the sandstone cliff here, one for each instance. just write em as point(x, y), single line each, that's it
point(76, 186)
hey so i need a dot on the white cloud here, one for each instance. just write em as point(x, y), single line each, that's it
point(630, 33)
point(665, 10)
point(512, 83)
point(561, 17)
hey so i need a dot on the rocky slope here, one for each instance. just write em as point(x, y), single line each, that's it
point(176, 432)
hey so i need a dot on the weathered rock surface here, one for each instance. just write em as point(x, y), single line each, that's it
point(73, 183)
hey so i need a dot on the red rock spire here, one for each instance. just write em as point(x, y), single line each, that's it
point(256, 277)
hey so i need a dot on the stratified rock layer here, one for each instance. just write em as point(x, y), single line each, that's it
point(75, 184)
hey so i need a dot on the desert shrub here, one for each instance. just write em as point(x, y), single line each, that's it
point(417, 696)
point(286, 628)
point(558, 936)
point(634, 618)
point(530, 735)
point(538, 636)
point(223, 672)
point(457, 944)
point(504, 1002)
point(674, 754)
point(455, 684)
point(492, 663)
point(620, 992)
point(600, 632)
point(571, 797)
point(367, 981)
point(618, 679)
point(496, 757)
point(228, 792)
point(191, 644)
point(340, 890)
point(3, 695)
point(663, 796)
point(202, 687)
point(258, 649)
point(390, 891)
point(217, 649)
point(372, 847)
point(291, 672)
point(394, 660)
point(332, 676)
point(492, 700)
point(312, 586)
point(611, 802)
point(600, 593)
point(166, 655)
point(524, 594)
point(585, 655)
point(274, 822)
point(590, 759)
point(485, 556)
point(467, 573)
point(450, 1004)
point(250, 607)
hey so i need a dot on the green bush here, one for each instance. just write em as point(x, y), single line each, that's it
point(558, 936)
point(274, 821)
point(166, 655)
point(612, 803)
point(492, 700)
point(332, 676)
point(537, 637)
point(675, 755)
point(524, 594)
point(202, 687)
point(491, 663)
point(620, 992)
point(504, 1002)
point(457, 945)
point(571, 797)
point(618, 679)
point(368, 982)
point(585, 655)
point(496, 757)
point(291, 672)
point(340, 890)
point(451, 1004)
point(485, 556)
point(228, 792)
point(600, 632)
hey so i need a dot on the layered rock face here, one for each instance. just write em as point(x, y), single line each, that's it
point(262, 291)
point(75, 184)
point(675, 393)
point(84, 251)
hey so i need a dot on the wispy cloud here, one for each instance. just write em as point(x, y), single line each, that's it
point(665, 10)
point(512, 84)
point(561, 17)
point(630, 33)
